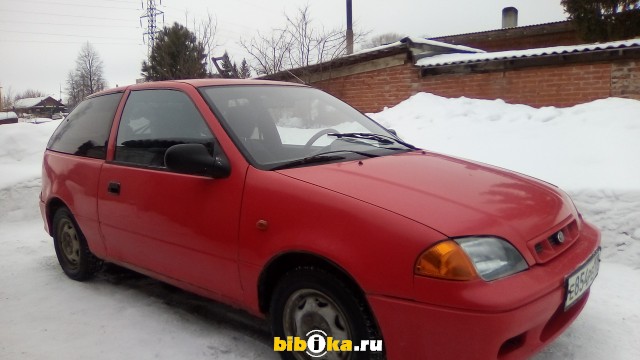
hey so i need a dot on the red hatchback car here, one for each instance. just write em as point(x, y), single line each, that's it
point(282, 200)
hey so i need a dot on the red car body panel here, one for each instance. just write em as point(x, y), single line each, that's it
point(74, 180)
point(439, 191)
point(370, 218)
point(375, 246)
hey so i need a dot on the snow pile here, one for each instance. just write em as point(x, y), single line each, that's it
point(590, 150)
point(21, 149)
point(593, 145)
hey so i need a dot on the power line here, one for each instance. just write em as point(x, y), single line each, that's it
point(75, 4)
point(119, 1)
point(68, 35)
point(66, 15)
point(66, 42)
point(67, 24)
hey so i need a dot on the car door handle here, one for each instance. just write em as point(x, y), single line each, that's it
point(114, 188)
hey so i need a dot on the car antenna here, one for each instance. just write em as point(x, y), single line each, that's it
point(301, 81)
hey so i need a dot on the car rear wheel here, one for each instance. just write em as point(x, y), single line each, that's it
point(309, 301)
point(74, 255)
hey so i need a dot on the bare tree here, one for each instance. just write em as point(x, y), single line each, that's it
point(73, 90)
point(205, 32)
point(382, 39)
point(89, 69)
point(87, 77)
point(29, 93)
point(269, 53)
point(7, 99)
point(298, 44)
point(312, 45)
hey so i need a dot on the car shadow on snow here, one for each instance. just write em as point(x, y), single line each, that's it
point(207, 310)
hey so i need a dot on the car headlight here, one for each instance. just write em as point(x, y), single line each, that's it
point(467, 258)
point(493, 257)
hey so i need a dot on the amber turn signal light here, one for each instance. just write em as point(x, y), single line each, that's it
point(445, 260)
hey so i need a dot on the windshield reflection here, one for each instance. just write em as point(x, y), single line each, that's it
point(279, 124)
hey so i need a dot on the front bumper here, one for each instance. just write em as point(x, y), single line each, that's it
point(419, 331)
point(511, 318)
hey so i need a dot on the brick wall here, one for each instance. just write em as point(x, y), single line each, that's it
point(625, 79)
point(373, 90)
point(538, 86)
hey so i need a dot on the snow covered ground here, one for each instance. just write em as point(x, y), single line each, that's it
point(590, 150)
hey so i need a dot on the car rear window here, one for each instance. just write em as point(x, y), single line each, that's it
point(85, 132)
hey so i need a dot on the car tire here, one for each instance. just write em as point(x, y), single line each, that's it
point(309, 298)
point(73, 253)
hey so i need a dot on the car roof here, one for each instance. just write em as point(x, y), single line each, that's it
point(194, 83)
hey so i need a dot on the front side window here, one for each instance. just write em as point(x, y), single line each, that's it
point(85, 131)
point(153, 121)
point(286, 126)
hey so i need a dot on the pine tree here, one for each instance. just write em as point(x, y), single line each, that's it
point(229, 68)
point(245, 70)
point(604, 20)
point(177, 54)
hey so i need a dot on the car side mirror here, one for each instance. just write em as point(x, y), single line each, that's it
point(194, 159)
point(393, 132)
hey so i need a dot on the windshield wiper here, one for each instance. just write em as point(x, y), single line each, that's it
point(320, 157)
point(382, 139)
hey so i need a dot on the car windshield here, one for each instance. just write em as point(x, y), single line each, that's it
point(279, 126)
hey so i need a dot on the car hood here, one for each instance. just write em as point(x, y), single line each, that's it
point(453, 196)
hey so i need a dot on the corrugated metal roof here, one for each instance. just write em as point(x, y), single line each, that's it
point(457, 58)
point(517, 28)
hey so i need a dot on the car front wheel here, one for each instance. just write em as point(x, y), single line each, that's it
point(74, 255)
point(314, 305)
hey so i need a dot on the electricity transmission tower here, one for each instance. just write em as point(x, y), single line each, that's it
point(151, 14)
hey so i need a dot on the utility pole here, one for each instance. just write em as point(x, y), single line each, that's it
point(349, 28)
point(1, 99)
point(151, 14)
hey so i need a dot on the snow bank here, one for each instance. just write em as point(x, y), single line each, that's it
point(21, 148)
point(594, 145)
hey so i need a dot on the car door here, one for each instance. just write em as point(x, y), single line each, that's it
point(182, 227)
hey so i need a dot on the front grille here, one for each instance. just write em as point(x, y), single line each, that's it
point(554, 242)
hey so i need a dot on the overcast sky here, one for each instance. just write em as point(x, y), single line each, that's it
point(40, 39)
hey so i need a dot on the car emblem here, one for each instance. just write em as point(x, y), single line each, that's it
point(559, 237)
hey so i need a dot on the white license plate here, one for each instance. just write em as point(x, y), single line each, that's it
point(579, 282)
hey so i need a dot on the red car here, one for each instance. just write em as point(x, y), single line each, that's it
point(282, 200)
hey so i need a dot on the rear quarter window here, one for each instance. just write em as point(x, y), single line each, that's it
point(85, 132)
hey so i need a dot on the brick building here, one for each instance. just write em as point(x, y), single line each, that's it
point(542, 76)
